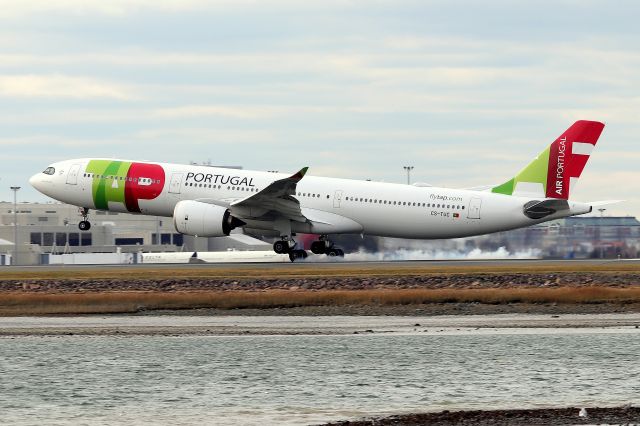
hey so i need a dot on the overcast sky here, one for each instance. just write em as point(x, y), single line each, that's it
point(467, 92)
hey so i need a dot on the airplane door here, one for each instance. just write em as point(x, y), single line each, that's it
point(176, 183)
point(474, 208)
point(72, 176)
point(337, 199)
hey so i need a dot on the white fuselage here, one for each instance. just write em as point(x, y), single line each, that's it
point(383, 209)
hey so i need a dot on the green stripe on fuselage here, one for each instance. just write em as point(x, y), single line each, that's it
point(108, 181)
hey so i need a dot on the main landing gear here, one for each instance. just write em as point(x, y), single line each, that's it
point(84, 224)
point(287, 246)
point(326, 246)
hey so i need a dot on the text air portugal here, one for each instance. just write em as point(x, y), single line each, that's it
point(563, 163)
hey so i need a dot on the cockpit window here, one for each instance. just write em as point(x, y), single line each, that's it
point(49, 171)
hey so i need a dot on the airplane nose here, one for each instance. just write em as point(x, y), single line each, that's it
point(35, 181)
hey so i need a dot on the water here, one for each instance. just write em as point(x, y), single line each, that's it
point(307, 379)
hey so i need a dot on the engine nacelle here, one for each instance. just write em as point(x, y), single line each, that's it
point(203, 219)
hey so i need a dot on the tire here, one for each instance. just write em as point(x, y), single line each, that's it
point(84, 225)
point(340, 252)
point(281, 247)
point(318, 247)
point(297, 255)
point(332, 252)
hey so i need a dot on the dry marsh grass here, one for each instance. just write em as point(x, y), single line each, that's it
point(128, 302)
point(311, 270)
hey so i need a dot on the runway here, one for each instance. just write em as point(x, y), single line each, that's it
point(341, 264)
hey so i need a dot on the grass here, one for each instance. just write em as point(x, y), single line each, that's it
point(311, 270)
point(128, 302)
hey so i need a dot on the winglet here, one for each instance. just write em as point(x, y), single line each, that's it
point(298, 176)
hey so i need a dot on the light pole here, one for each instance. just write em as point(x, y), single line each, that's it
point(15, 224)
point(408, 169)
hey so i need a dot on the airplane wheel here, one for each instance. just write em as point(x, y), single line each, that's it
point(318, 247)
point(84, 225)
point(335, 252)
point(297, 255)
point(281, 247)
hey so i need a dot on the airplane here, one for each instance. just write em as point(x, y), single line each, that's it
point(210, 201)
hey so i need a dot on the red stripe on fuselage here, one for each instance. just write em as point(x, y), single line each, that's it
point(135, 191)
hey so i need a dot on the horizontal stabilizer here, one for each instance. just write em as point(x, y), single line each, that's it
point(604, 203)
point(479, 188)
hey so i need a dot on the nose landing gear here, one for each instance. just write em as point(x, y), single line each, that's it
point(84, 224)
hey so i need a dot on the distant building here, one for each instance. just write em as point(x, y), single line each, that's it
point(578, 237)
point(593, 237)
point(53, 228)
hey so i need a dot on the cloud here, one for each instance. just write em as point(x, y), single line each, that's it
point(60, 86)
point(122, 8)
point(10, 8)
point(228, 111)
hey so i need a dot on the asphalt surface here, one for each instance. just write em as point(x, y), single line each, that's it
point(332, 264)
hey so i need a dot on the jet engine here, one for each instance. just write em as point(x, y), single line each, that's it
point(203, 219)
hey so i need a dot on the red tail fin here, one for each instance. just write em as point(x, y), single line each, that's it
point(568, 155)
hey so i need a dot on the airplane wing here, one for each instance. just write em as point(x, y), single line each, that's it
point(274, 201)
point(277, 202)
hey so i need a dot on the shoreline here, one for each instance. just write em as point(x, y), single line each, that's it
point(208, 325)
point(515, 417)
